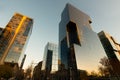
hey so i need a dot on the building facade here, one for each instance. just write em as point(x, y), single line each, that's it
point(14, 39)
point(80, 47)
point(50, 59)
point(112, 49)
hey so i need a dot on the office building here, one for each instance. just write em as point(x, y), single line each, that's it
point(14, 39)
point(50, 59)
point(80, 47)
point(112, 49)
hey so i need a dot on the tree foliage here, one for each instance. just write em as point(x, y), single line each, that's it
point(19, 75)
point(105, 67)
point(28, 72)
point(6, 71)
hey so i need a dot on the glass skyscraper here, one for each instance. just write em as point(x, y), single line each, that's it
point(14, 38)
point(112, 49)
point(50, 59)
point(80, 47)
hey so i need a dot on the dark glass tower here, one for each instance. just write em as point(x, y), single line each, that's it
point(112, 49)
point(50, 59)
point(79, 45)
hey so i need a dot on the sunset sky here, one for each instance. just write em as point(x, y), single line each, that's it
point(105, 15)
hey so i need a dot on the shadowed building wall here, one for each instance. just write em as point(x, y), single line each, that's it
point(112, 49)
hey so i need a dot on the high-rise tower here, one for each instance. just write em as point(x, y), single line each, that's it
point(80, 47)
point(14, 38)
point(112, 49)
point(50, 59)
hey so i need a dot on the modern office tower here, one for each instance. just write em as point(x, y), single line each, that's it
point(80, 47)
point(14, 39)
point(112, 49)
point(50, 59)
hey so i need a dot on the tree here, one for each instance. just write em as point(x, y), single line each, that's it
point(37, 73)
point(6, 71)
point(94, 74)
point(28, 72)
point(19, 74)
point(105, 67)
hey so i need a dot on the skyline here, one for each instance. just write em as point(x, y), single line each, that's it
point(49, 22)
